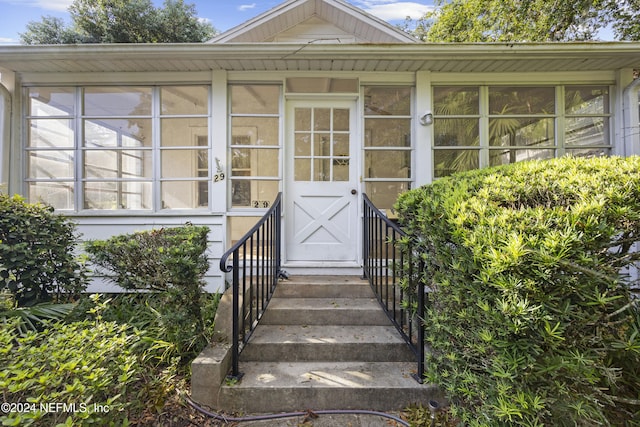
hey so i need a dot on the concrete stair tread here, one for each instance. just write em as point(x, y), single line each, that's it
point(324, 280)
point(324, 334)
point(290, 375)
point(315, 287)
point(324, 303)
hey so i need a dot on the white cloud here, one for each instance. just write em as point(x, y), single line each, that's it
point(57, 5)
point(390, 10)
point(245, 7)
point(8, 40)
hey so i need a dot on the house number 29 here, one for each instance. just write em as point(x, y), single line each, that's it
point(219, 176)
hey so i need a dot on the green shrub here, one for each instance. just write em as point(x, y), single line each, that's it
point(532, 318)
point(171, 262)
point(37, 261)
point(89, 372)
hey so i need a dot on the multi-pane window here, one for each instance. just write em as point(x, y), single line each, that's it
point(387, 143)
point(255, 145)
point(50, 146)
point(479, 126)
point(184, 153)
point(115, 148)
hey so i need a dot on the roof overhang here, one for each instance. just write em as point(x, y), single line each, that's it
point(438, 57)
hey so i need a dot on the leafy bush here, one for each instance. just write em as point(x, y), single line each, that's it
point(532, 318)
point(88, 372)
point(170, 261)
point(36, 252)
point(31, 318)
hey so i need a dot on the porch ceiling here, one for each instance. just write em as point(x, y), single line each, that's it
point(451, 58)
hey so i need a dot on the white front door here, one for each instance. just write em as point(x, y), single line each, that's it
point(321, 194)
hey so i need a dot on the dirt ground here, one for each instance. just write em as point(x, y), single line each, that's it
point(177, 413)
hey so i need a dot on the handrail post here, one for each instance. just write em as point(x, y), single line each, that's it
point(235, 351)
point(419, 376)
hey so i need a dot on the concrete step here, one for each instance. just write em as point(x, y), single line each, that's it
point(279, 387)
point(324, 311)
point(323, 287)
point(294, 343)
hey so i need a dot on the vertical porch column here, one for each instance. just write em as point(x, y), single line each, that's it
point(423, 159)
point(219, 131)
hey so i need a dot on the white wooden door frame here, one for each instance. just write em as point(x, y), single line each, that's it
point(290, 189)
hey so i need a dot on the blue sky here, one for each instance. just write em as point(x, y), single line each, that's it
point(15, 14)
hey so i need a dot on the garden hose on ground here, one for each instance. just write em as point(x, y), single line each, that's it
point(226, 419)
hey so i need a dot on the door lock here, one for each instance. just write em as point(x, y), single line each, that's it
point(354, 191)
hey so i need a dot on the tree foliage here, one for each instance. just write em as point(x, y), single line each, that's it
point(529, 20)
point(121, 21)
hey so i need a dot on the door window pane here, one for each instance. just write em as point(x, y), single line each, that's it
point(321, 152)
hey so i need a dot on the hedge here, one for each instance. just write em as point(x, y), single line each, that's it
point(37, 259)
point(533, 317)
point(171, 262)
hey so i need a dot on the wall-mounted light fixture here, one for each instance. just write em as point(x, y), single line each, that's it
point(426, 118)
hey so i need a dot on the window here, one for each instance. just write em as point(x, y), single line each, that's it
point(255, 145)
point(50, 146)
point(479, 126)
point(387, 143)
point(119, 148)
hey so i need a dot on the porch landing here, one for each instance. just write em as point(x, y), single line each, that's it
point(323, 343)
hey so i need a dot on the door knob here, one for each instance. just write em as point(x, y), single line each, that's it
point(354, 191)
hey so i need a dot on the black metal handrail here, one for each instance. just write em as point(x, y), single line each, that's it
point(255, 267)
point(393, 272)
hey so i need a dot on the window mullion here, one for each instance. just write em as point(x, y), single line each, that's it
point(560, 122)
point(78, 180)
point(484, 127)
point(156, 153)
